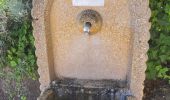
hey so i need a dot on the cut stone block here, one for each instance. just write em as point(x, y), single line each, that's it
point(117, 53)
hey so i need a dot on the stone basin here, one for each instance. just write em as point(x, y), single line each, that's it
point(116, 53)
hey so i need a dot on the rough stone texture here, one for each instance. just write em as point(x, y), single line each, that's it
point(139, 26)
point(131, 98)
point(103, 55)
point(140, 13)
point(47, 95)
point(42, 44)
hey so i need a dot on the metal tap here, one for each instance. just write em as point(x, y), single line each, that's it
point(87, 27)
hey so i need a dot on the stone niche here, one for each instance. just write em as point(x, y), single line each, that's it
point(116, 54)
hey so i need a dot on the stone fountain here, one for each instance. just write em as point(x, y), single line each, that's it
point(91, 50)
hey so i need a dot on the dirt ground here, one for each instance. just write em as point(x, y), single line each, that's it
point(156, 90)
point(30, 87)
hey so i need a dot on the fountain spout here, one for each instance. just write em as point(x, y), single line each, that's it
point(87, 27)
point(89, 22)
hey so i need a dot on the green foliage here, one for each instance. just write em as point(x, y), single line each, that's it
point(23, 98)
point(2, 3)
point(11, 11)
point(159, 52)
point(17, 57)
point(20, 54)
point(15, 9)
point(17, 42)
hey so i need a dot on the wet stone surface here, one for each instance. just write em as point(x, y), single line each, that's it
point(67, 91)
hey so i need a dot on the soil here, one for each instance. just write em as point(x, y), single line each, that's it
point(32, 88)
point(29, 86)
point(3, 95)
point(156, 90)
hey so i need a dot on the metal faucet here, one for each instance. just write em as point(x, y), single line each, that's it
point(89, 22)
point(86, 27)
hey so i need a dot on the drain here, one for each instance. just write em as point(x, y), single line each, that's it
point(68, 91)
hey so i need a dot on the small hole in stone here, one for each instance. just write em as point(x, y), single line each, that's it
point(89, 24)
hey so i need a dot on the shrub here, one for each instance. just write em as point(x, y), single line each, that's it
point(20, 54)
point(16, 9)
point(159, 52)
point(17, 42)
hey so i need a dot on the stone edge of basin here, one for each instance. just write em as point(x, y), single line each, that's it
point(140, 13)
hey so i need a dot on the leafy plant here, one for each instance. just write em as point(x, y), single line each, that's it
point(17, 42)
point(15, 9)
point(159, 52)
point(2, 3)
point(17, 57)
point(20, 55)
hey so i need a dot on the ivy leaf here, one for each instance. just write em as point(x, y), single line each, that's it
point(13, 63)
point(164, 40)
point(163, 58)
point(162, 72)
point(167, 9)
point(151, 72)
point(153, 54)
point(163, 22)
